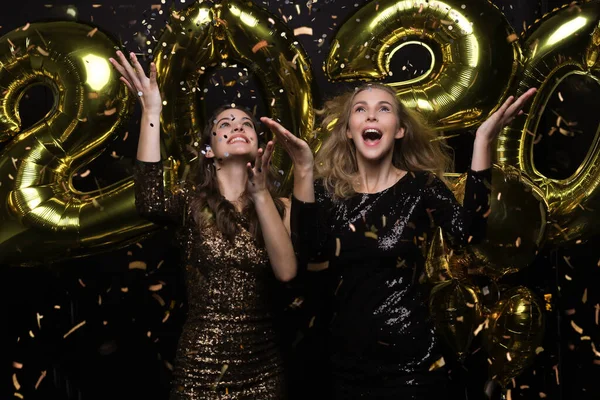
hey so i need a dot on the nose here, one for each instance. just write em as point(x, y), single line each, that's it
point(238, 127)
point(371, 116)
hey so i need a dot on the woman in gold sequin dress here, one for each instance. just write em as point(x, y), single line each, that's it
point(235, 239)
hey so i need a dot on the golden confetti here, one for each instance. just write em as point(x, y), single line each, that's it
point(338, 247)
point(518, 242)
point(110, 111)
point(437, 364)
point(92, 32)
point(371, 235)
point(17, 365)
point(16, 382)
point(512, 38)
point(155, 288)
point(576, 327)
point(259, 45)
point(539, 349)
point(73, 329)
point(137, 265)
point(584, 297)
point(42, 51)
point(303, 30)
point(42, 376)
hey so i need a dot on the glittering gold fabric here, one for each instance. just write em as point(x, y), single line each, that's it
point(228, 347)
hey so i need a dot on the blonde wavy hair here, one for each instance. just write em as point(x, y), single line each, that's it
point(335, 163)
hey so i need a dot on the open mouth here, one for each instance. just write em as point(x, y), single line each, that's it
point(372, 136)
point(237, 139)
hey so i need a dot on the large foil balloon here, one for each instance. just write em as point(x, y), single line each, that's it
point(457, 311)
point(516, 225)
point(470, 42)
point(516, 329)
point(43, 217)
point(437, 264)
point(205, 35)
point(562, 44)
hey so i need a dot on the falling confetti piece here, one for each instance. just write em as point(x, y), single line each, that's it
point(371, 235)
point(137, 265)
point(338, 247)
point(17, 365)
point(512, 38)
point(584, 297)
point(92, 32)
point(576, 327)
point(42, 51)
point(16, 382)
point(155, 288)
point(303, 30)
point(259, 45)
point(40, 379)
point(110, 111)
point(73, 329)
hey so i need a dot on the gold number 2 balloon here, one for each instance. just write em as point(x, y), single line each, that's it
point(563, 43)
point(43, 216)
point(232, 32)
point(474, 58)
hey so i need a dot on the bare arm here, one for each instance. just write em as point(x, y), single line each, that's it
point(146, 89)
point(302, 159)
point(274, 230)
point(487, 132)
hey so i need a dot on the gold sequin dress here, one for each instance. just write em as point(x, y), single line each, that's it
point(228, 348)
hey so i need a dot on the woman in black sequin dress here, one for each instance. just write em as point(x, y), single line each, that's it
point(235, 247)
point(378, 194)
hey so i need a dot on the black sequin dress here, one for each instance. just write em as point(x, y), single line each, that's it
point(228, 347)
point(381, 339)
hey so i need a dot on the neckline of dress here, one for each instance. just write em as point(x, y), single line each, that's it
point(402, 178)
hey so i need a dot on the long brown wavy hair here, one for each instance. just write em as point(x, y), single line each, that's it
point(208, 205)
point(419, 150)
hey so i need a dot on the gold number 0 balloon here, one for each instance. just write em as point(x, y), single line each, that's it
point(44, 217)
point(561, 44)
point(237, 31)
point(473, 62)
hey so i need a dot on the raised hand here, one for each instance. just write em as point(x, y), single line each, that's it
point(144, 87)
point(257, 174)
point(492, 126)
point(295, 147)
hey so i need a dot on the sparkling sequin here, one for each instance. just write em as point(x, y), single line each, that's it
point(228, 345)
point(382, 339)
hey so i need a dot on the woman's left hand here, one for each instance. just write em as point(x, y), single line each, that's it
point(492, 126)
point(257, 174)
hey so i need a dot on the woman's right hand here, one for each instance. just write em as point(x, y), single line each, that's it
point(295, 147)
point(143, 87)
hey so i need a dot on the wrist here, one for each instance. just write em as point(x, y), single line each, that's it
point(303, 172)
point(151, 114)
point(260, 195)
point(483, 142)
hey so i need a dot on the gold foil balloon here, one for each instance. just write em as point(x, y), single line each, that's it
point(470, 42)
point(437, 265)
point(231, 32)
point(43, 217)
point(563, 43)
point(516, 225)
point(516, 329)
point(456, 310)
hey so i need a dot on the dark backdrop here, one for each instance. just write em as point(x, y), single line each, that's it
point(126, 346)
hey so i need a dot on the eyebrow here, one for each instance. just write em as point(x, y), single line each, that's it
point(379, 102)
point(227, 118)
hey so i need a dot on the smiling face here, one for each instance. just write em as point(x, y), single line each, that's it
point(233, 136)
point(373, 124)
